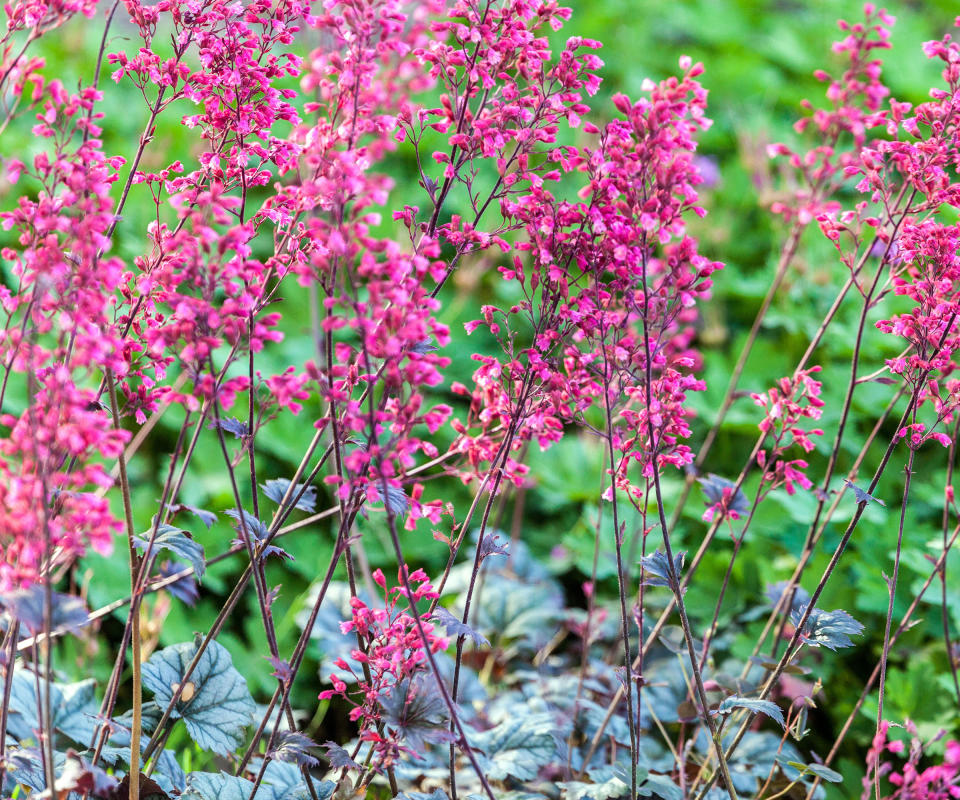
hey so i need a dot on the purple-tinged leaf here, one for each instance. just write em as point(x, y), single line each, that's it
point(714, 486)
point(281, 669)
point(231, 425)
point(338, 757)
point(491, 546)
point(801, 597)
point(659, 571)
point(862, 496)
point(184, 589)
point(277, 488)
point(455, 627)
point(27, 606)
point(206, 517)
point(293, 747)
point(396, 501)
point(423, 347)
point(415, 710)
point(257, 531)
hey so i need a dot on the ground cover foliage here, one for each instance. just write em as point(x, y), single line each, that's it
point(445, 400)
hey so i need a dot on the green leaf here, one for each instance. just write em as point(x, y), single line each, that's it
point(221, 706)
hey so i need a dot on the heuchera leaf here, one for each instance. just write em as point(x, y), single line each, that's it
point(436, 794)
point(184, 589)
point(333, 643)
point(831, 629)
point(801, 597)
point(396, 501)
point(277, 488)
point(206, 517)
point(73, 774)
point(25, 766)
point(168, 772)
point(578, 790)
point(491, 546)
point(657, 568)
point(150, 716)
point(27, 607)
point(819, 770)
point(293, 746)
point(254, 526)
point(862, 496)
point(423, 347)
point(178, 542)
point(284, 781)
point(73, 708)
point(517, 748)
point(713, 486)
point(256, 530)
point(416, 710)
point(338, 757)
point(216, 786)
point(659, 786)
point(649, 784)
point(221, 706)
point(231, 425)
point(455, 627)
point(772, 710)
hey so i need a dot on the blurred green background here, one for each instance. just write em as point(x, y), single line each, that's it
point(759, 60)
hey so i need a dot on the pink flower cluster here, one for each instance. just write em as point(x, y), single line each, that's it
point(608, 293)
point(787, 404)
point(911, 782)
point(854, 107)
point(59, 335)
point(391, 651)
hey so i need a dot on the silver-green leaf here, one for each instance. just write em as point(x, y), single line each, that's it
point(219, 707)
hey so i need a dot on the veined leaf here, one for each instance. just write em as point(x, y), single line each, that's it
point(220, 706)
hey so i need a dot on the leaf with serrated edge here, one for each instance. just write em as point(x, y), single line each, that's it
point(517, 748)
point(772, 710)
point(657, 568)
point(27, 606)
point(73, 708)
point(454, 627)
point(216, 786)
point(177, 541)
point(819, 770)
point(221, 706)
point(277, 488)
point(608, 790)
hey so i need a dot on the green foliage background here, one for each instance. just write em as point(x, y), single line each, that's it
point(759, 59)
